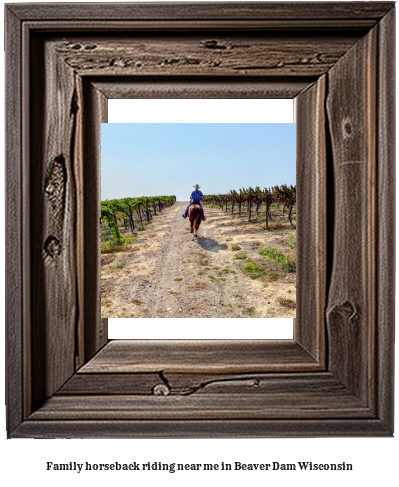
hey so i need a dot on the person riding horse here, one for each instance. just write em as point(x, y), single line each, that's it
point(195, 199)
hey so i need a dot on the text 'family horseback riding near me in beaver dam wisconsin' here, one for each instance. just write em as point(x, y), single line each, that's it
point(184, 467)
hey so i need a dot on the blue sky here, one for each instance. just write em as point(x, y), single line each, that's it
point(151, 159)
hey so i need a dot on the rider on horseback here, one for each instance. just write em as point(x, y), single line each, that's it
point(195, 199)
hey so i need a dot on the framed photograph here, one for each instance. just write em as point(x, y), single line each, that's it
point(65, 378)
point(239, 259)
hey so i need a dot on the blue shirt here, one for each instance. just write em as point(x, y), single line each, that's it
point(196, 196)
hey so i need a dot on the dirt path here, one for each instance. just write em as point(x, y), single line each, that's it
point(168, 273)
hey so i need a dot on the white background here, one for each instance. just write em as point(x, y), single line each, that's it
point(23, 461)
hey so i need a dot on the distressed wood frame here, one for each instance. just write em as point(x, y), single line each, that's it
point(64, 378)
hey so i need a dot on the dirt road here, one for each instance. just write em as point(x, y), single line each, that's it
point(168, 273)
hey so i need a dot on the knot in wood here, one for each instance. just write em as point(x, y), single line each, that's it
point(52, 246)
point(50, 189)
point(213, 44)
point(54, 186)
point(346, 310)
point(347, 128)
point(161, 390)
point(90, 47)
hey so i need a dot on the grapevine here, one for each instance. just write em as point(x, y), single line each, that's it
point(250, 200)
point(129, 210)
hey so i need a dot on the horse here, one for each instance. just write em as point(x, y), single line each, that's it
point(195, 215)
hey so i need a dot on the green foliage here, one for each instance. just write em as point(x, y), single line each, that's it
point(108, 213)
point(116, 212)
point(235, 247)
point(240, 256)
point(254, 270)
point(286, 262)
point(226, 270)
point(291, 240)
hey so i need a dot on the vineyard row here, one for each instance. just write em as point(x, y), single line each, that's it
point(249, 200)
point(131, 211)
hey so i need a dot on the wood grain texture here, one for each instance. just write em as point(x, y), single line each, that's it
point(14, 261)
point(351, 309)
point(53, 222)
point(185, 384)
point(311, 219)
point(340, 26)
point(200, 356)
point(201, 407)
point(385, 273)
point(269, 396)
point(242, 54)
point(202, 429)
point(183, 87)
point(111, 384)
point(95, 331)
point(247, 11)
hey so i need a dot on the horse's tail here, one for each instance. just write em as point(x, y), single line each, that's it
point(195, 214)
point(198, 216)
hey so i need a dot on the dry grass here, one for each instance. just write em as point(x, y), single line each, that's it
point(108, 259)
point(287, 303)
point(275, 225)
point(117, 248)
point(249, 311)
point(273, 276)
point(198, 286)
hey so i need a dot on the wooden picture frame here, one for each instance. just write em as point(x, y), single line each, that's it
point(335, 378)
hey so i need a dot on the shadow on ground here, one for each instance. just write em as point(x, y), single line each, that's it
point(210, 244)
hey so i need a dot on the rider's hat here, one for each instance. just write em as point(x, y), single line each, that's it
point(196, 186)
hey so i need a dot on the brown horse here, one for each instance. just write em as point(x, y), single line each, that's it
point(195, 215)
